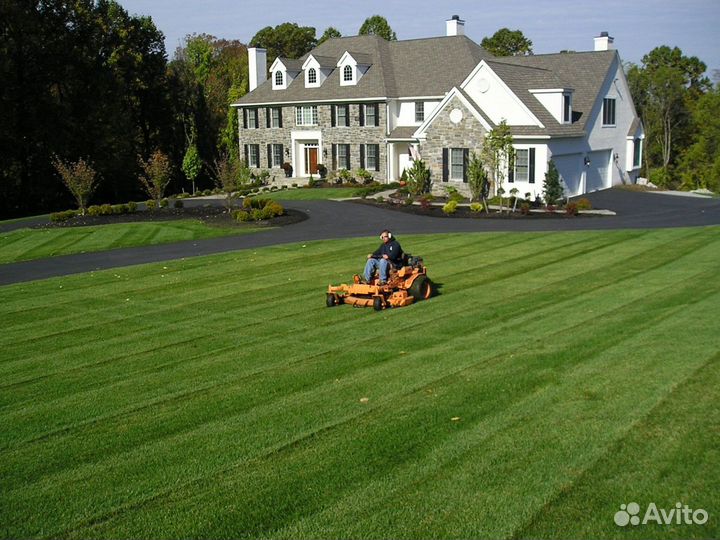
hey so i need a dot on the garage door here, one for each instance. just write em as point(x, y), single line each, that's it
point(597, 173)
point(570, 168)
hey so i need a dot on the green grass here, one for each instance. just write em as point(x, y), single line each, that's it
point(27, 244)
point(307, 194)
point(557, 376)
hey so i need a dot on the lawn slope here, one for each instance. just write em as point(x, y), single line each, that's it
point(556, 377)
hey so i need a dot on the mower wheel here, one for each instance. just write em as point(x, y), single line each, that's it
point(377, 303)
point(331, 300)
point(421, 288)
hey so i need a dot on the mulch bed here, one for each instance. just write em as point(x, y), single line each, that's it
point(215, 216)
point(465, 212)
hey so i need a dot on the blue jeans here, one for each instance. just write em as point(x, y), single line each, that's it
point(383, 265)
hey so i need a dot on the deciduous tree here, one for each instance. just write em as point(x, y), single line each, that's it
point(506, 42)
point(377, 25)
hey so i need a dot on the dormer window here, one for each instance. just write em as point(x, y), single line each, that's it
point(283, 72)
point(567, 108)
point(279, 79)
point(352, 67)
point(347, 74)
point(312, 76)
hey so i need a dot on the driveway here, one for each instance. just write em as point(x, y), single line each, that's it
point(329, 219)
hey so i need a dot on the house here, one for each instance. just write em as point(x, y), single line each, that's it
point(363, 102)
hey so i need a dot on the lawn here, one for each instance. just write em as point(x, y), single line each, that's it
point(26, 244)
point(307, 194)
point(556, 377)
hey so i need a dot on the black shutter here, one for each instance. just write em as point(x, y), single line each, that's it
point(334, 157)
point(445, 165)
point(269, 154)
point(531, 173)
point(268, 115)
point(333, 120)
point(377, 116)
point(282, 155)
point(361, 109)
point(280, 110)
point(362, 156)
point(347, 115)
point(247, 161)
point(244, 114)
point(377, 157)
point(257, 116)
point(347, 156)
point(511, 170)
point(466, 159)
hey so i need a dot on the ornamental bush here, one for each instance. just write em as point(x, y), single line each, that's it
point(450, 208)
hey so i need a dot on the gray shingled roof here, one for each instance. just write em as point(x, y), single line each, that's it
point(325, 61)
point(584, 72)
point(291, 64)
point(412, 68)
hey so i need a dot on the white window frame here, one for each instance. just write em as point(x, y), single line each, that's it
point(277, 155)
point(312, 76)
point(609, 111)
point(637, 153)
point(254, 160)
point(454, 153)
point(252, 119)
point(376, 163)
point(348, 70)
point(306, 115)
point(273, 123)
point(346, 110)
point(419, 112)
point(343, 161)
point(521, 167)
point(279, 78)
point(375, 108)
point(567, 108)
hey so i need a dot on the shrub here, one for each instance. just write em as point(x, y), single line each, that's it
point(379, 199)
point(79, 177)
point(408, 201)
point(294, 185)
point(59, 217)
point(571, 209)
point(312, 183)
point(163, 203)
point(322, 170)
point(583, 204)
point(151, 204)
point(120, 209)
point(454, 195)
point(418, 178)
point(450, 208)
point(552, 188)
point(93, 210)
point(106, 210)
point(345, 176)
point(274, 209)
point(156, 173)
point(257, 214)
point(525, 209)
point(241, 215)
point(476, 207)
point(364, 175)
point(178, 203)
point(132, 207)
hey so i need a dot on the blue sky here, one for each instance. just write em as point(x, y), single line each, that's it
point(638, 26)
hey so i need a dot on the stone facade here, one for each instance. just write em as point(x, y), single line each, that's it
point(354, 135)
point(467, 132)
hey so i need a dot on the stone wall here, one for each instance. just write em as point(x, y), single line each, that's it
point(354, 135)
point(468, 132)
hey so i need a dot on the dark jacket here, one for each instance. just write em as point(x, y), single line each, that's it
point(393, 250)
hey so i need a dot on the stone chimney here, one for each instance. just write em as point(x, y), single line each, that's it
point(604, 42)
point(454, 26)
point(257, 67)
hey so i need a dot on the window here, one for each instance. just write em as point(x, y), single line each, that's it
point(341, 156)
point(279, 78)
point(312, 76)
point(251, 118)
point(252, 155)
point(637, 152)
point(457, 164)
point(275, 117)
point(372, 157)
point(523, 169)
point(341, 115)
point(369, 115)
point(347, 73)
point(608, 112)
point(306, 116)
point(275, 155)
point(567, 108)
point(419, 111)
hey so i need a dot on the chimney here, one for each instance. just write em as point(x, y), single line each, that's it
point(604, 42)
point(257, 67)
point(455, 27)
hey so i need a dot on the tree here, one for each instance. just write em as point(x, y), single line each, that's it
point(230, 175)
point(155, 175)
point(329, 33)
point(506, 42)
point(418, 178)
point(287, 40)
point(498, 153)
point(552, 188)
point(477, 179)
point(377, 25)
point(700, 164)
point(80, 179)
point(192, 164)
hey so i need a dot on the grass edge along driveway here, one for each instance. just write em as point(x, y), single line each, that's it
point(557, 376)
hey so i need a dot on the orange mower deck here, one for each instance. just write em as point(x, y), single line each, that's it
point(405, 286)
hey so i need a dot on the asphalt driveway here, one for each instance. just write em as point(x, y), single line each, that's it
point(329, 219)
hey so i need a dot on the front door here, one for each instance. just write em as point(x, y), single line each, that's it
point(311, 160)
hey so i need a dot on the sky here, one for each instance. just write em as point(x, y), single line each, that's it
point(638, 26)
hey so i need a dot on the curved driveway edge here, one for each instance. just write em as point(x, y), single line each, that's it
point(331, 220)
